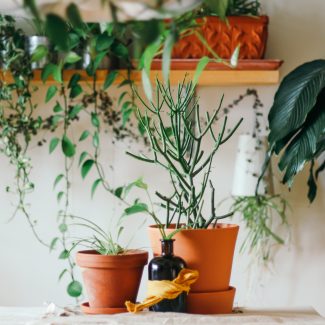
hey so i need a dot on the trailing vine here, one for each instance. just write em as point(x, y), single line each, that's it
point(17, 122)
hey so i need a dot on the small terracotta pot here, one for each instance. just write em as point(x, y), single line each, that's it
point(250, 32)
point(210, 251)
point(110, 280)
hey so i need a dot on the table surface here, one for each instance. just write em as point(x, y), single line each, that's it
point(62, 316)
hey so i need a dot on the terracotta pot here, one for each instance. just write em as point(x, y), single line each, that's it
point(110, 280)
point(250, 32)
point(210, 251)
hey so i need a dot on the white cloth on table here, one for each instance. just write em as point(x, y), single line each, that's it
point(53, 315)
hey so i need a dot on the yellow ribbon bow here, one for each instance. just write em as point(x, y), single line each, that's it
point(165, 289)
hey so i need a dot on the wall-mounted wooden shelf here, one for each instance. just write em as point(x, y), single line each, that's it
point(248, 72)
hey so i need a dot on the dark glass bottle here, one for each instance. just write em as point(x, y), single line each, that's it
point(166, 267)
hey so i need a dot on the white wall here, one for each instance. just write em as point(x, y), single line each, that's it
point(28, 273)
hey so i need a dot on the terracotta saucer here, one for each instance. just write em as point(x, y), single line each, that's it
point(101, 310)
point(217, 302)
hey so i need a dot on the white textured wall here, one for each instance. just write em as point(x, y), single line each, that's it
point(28, 273)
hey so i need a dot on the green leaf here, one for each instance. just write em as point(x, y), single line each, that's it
point(104, 42)
point(53, 144)
point(82, 157)
point(86, 166)
point(96, 140)
point(303, 145)
point(76, 109)
point(75, 91)
point(55, 119)
point(199, 68)
point(59, 196)
point(297, 120)
point(63, 227)
point(137, 183)
point(126, 116)
point(120, 50)
point(119, 191)
point(51, 91)
point(218, 7)
point(74, 17)
point(68, 148)
point(57, 180)
point(111, 76)
point(51, 70)
point(57, 108)
point(135, 208)
point(74, 289)
point(84, 135)
point(95, 120)
point(145, 63)
point(75, 78)
point(121, 97)
point(57, 30)
point(295, 98)
point(140, 183)
point(234, 57)
point(53, 243)
point(146, 82)
point(94, 186)
point(64, 254)
point(62, 274)
point(72, 57)
point(39, 53)
point(167, 52)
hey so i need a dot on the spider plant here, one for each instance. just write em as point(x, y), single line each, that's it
point(176, 141)
point(259, 213)
point(101, 241)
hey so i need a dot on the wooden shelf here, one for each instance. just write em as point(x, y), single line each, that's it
point(249, 72)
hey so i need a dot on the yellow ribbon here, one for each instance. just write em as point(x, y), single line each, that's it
point(164, 289)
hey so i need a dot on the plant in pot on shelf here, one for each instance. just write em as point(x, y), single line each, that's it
point(204, 244)
point(221, 27)
point(111, 273)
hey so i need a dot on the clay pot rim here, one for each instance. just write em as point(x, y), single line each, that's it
point(213, 293)
point(221, 227)
point(259, 18)
point(131, 258)
point(85, 307)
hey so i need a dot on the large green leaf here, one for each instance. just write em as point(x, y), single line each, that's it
point(294, 99)
point(57, 30)
point(297, 122)
point(303, 145)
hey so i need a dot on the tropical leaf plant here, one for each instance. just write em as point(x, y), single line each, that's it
point(297, 123)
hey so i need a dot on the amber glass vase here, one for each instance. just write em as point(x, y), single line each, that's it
point(166, 267)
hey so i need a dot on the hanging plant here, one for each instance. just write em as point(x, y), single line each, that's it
point(18, 123)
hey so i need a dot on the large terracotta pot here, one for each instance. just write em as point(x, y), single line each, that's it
point(250, 32)
point(210, 251)
point(110, 280)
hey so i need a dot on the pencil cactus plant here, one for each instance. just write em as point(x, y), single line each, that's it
point(176, 135)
